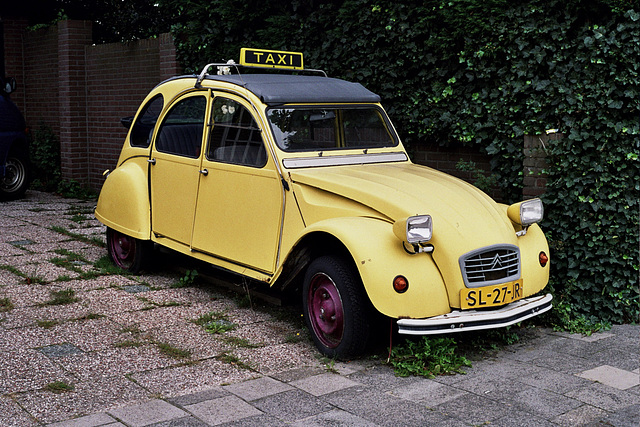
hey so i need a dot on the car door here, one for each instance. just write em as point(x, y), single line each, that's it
point(239, 208)
point(175, 165)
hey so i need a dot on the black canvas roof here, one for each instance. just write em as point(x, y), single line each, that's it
point(275, 89)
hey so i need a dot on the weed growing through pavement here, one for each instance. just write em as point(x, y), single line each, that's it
point(106, 267)
point(69, 260)
point(97, 241)
point(89, 316)
point(47, 324)
point(171, 351)
point(187, 280)
point(427, 357)
point(293, 338)
point(66, 296)
point(5, 305)
point(232, 359)
point(59, 387)
point(11, 269)
point(243, 301)
point(131, 329)
point(128, 344)
point(241, 342)
point(215, 322)
point(29, 279)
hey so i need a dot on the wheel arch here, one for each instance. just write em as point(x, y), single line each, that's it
point(123, 204)
point(378, 257)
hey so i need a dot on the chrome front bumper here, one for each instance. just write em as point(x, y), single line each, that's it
point(474, 320)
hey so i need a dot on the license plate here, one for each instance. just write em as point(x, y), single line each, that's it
point(491, 296)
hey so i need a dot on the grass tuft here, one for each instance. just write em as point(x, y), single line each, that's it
point(66, 296)
point(5, 305)
point(171, 351)
point(59, 387)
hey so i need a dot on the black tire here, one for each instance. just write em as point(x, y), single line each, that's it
point(16, 179)
point(127, 252)
point(336, 308)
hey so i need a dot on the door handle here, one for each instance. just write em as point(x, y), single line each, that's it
point(152, 161)
point(204, 172)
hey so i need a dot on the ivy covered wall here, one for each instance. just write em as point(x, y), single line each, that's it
point(487, 73)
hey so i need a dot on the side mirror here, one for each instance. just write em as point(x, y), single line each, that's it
point(126, 121)
point(8, 85)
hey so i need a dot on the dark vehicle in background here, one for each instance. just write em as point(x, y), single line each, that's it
point(14, 145)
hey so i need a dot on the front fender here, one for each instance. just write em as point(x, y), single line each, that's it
point(124, 201)
point(380, 257)
point(535, 277)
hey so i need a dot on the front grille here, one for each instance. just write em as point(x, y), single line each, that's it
point(490, 265)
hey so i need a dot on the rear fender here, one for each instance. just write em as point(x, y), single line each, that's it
point(124, 200)
point(379, 256)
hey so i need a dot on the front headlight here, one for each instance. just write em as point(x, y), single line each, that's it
point(415, 229)
point(527, 212)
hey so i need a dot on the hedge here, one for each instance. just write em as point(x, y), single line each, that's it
point(486, 74)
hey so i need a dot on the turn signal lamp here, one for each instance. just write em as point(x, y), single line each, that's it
point(543, 258)
point(400, 284)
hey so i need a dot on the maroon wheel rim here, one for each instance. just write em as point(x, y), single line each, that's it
point(123, 248)
point(326, 313)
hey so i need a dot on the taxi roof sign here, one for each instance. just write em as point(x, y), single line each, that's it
point(271, 59)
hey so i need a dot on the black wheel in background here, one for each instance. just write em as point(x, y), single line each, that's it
point(16, 178)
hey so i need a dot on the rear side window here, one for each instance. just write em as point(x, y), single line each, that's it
point(181, 130)
point(235, 137)
point(142, 129)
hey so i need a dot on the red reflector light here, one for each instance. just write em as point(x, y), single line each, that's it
point(543, 258)
point(400, 284)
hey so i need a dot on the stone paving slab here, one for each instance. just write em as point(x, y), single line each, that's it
point(129, 353)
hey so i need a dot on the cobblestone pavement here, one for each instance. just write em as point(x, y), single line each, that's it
point(81, 345)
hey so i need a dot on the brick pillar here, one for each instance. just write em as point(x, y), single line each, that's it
point(14, 29)
point(167, 52)
point(73, 36)
point(535, 163)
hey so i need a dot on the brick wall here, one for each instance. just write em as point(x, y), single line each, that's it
point(81, 91)
point(13, 38)
point(535, 163)
point(445, 159)
point(115, 89)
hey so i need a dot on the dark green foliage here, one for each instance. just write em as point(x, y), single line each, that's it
point(44, 152)
point(486, 74)
point(427, 357)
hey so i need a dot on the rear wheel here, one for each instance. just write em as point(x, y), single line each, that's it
point(336, 309)
point(16, 177)
point(127, 252)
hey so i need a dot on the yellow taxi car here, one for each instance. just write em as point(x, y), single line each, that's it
point(301, 181)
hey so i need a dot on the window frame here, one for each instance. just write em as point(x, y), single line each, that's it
point(254, 129)
point(340, 133)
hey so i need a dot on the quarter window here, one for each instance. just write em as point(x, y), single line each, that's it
point(181, 129)
point(235, 137)
point(142, 129)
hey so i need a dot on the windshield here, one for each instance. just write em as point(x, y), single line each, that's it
point(331, 128)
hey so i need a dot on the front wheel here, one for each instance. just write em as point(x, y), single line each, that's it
point(127, 252)
point(336, 309)
point(16, 177)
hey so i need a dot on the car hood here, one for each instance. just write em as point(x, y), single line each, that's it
point(464, 218)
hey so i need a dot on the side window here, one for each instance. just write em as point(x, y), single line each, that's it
point(181, 130)
point(142, 129)
point(235, 137)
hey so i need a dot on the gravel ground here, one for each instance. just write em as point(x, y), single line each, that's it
point(118, 340)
